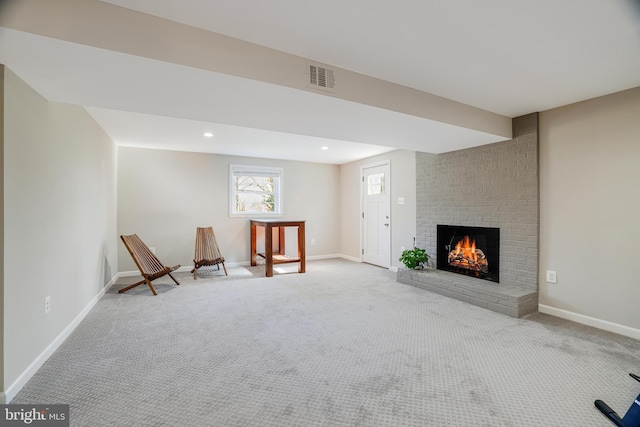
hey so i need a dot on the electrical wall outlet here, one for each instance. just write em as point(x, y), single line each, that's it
point(551, 277)
point(401, 249)
point(153, 250)
point(313, 242)
point(47, 305)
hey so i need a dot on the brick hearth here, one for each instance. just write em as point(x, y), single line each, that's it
point(510, 300)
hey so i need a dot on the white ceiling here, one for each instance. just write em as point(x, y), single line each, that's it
point(507, 57)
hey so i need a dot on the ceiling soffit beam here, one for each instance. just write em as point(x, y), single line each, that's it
point(103, 25)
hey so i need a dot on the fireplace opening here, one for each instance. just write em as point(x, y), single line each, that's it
point(472, 251)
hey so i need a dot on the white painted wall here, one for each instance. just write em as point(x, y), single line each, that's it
point(59, 223)
point(589, 211)
point(403, 217)
point(164, 195)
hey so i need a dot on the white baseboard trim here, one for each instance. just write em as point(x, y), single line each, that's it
point(349, 258)
point(590, 321)
point(17, 385)
point(188, 268)
point(236, 264)
point(127, 274)
point(133, 273)
point(327, 256)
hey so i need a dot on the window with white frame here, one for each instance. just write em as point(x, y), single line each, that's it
point(255, 190)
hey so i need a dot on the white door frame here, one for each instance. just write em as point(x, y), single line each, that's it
point(385, 162)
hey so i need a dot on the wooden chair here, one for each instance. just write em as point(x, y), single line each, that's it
point(207, 251)
point(150, 267)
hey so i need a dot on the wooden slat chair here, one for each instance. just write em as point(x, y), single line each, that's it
point(207, 251)
point(150, 267)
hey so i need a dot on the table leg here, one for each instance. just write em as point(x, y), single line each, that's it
point(268, 250)
point(253, 244)
point(281, 241)
point(301, 249)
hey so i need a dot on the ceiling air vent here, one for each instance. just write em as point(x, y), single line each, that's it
point(320, 77)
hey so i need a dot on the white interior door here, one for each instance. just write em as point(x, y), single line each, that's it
point(376, 223)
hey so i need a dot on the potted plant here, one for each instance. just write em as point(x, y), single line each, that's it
point(415, 258)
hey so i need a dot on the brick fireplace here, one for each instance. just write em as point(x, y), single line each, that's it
point(492, 186)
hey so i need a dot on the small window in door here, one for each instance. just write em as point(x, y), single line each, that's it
point(375, 184)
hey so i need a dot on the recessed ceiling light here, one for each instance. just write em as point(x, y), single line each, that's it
point(208, 135)
point(324, 148)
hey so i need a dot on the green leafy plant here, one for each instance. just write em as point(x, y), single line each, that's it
point(414, 258)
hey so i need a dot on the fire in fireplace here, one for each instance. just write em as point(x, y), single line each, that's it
point(473, 251)
point(466, 255)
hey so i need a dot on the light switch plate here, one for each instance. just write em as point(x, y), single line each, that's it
point(551, 277)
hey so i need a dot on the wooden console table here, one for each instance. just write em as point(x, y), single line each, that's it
point(278, 257)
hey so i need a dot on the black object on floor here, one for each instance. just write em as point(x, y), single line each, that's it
point(630, 419)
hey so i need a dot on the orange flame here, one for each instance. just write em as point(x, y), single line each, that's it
point(467, 246)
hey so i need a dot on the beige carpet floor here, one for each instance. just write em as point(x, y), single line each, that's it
point(341, 345)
